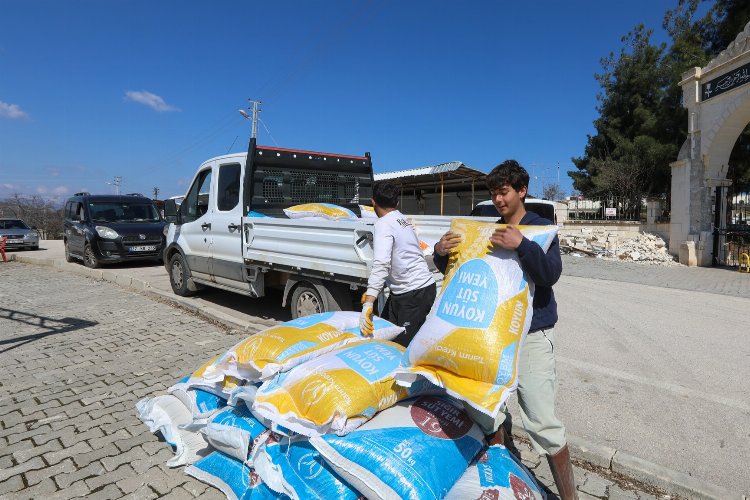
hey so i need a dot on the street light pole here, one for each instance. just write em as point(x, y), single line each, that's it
point(255, 110)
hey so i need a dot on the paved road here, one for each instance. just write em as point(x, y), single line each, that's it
point(81, 352)
point(653, 360)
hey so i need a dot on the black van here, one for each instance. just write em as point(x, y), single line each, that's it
point(102, 229)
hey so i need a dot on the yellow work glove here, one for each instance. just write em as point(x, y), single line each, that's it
point(365, 320)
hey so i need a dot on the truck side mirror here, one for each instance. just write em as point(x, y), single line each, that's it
point(171, 212)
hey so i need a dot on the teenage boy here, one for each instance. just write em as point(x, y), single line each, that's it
point(399, 261)
point(537, 379)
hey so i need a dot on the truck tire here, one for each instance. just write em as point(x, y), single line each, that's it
point(179, 276)
point(89, 257)
point(306, 301)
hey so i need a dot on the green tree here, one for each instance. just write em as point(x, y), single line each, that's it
point(642, 123)
point(626, 156)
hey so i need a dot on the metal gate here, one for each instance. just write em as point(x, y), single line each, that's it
point(731, 226)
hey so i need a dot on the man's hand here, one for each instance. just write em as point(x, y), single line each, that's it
point(508, 237)
point(365, 320)
point(447, 242)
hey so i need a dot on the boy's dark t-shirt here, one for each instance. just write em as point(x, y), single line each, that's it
point(543, 269)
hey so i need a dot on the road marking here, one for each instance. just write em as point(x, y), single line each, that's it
point(673, 388)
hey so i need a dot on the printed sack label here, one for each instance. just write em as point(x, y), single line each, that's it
point(469, 343)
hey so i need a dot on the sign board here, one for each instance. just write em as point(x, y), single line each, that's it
point(726, 82)
point(610, 212)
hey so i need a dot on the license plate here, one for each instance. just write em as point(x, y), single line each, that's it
point(14, 241)
point(143, 248)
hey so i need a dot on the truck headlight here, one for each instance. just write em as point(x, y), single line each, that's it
point(106, 232)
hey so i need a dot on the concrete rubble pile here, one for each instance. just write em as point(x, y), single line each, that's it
point(638, 247)
point(645, 248)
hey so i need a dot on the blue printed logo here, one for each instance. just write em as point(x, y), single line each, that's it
point(471, 297)
point(371, 360)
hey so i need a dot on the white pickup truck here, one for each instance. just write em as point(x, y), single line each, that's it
point(220, 235)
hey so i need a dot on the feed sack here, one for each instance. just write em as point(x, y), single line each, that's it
point(417, 449)
point(336, 392)
point(470, 341)
point(282, 347)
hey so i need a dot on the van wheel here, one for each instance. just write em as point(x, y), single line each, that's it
point(89, 258)
point(179, 276)
point(68, 257)
point(306, 301)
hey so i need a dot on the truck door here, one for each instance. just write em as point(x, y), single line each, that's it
point(196, 229)
point(226, 226)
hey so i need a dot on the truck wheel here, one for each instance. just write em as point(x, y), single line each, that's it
point(179, 276)
point(68, 257)
point(89, 258)
point(306, 301)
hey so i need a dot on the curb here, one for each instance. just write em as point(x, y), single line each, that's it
point(597, 455)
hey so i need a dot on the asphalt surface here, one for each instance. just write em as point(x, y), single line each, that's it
point(653, 363)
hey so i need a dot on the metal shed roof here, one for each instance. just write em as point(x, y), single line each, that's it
point(451, 173)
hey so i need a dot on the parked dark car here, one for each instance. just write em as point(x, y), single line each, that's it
point(102, 229)
point(18, 234)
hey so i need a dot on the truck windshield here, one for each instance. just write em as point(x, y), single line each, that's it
point(13, 224)
point(123, 212)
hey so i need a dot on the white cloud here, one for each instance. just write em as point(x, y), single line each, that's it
point(12, 111)
point(53, 172)
point(60, 190)
point(153, 101)
point(10, 187)
point(41, 190)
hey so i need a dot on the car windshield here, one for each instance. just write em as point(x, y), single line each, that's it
point(123, 212)
point(13, 224)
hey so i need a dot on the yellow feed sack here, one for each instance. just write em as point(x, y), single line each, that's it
point(197, 380)
point(470, 342)
point(336, 392)
point(280, 348)
point(367, 212)
point(324, 210)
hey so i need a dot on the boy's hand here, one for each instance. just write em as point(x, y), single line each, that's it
point(508, 238)
point(447, 242)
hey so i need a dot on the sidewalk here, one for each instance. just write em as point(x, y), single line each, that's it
point(644, 462)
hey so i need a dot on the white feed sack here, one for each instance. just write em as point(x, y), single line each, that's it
point(470, 342)
point(235, 431)
point(168, 416)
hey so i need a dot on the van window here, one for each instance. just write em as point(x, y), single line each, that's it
point(228, 192)
point(196, 201)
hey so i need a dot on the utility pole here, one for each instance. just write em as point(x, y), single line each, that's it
point(117, 182)
point(255, 110)
point(156, 193)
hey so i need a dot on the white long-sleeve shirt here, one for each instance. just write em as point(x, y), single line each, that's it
point(398, 259)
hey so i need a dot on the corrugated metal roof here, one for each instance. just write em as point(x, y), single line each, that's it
point(453, 167)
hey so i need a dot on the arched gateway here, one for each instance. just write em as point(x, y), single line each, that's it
point(718, 101)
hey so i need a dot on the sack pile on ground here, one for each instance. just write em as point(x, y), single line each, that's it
point(311, 408)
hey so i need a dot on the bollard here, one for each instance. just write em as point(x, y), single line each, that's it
point(2, 248)
point(744, 262)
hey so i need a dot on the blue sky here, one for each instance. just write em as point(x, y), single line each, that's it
point(147, 90)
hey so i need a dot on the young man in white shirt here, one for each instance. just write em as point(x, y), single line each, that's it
point(398, 260)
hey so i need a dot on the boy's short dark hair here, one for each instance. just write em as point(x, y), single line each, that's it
point(508, 172)
point(386, 194)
